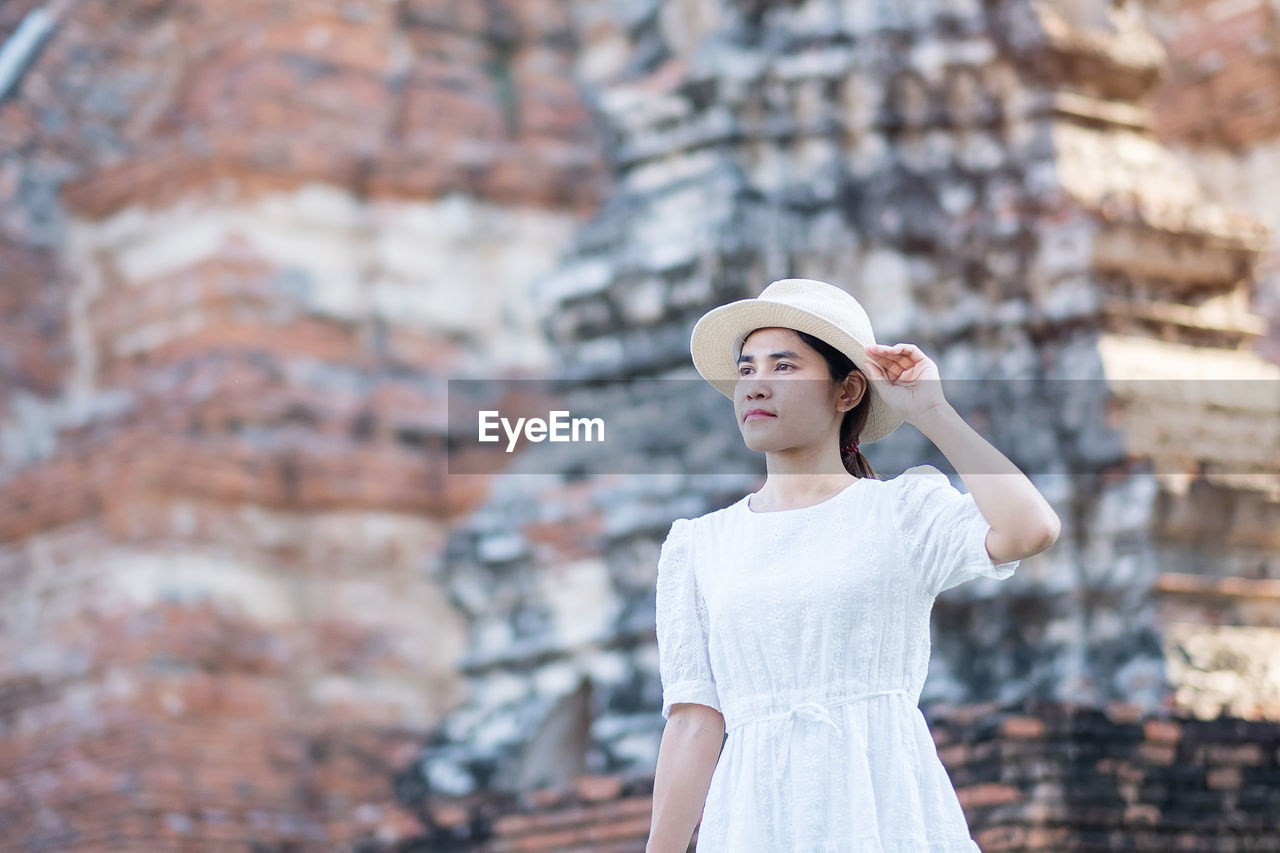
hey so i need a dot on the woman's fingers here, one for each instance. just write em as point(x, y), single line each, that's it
point(887, 369)
point(904, 354)
point(879, 354)
point(901, 356)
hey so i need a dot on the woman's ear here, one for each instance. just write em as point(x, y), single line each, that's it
point(852, 389)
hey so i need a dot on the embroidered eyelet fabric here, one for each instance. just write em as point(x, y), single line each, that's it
point(808, 629)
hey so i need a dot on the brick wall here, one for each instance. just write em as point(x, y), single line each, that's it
point(241, 246)
point(1039, 777)
point(1221, 83)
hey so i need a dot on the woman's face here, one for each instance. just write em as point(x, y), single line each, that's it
point(789, 380)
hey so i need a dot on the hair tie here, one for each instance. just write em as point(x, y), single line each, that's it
point(850, 447)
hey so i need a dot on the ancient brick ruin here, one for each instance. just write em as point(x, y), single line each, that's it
point(242, 606)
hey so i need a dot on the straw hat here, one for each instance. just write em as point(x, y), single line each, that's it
point(823, 310)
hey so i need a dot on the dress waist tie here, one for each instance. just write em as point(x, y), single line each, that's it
point(817, 712)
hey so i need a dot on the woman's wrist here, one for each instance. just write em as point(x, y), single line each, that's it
point(934, 417)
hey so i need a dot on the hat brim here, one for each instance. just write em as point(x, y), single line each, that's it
point(712, 345)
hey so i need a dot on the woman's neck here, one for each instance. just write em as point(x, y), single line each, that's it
point(793, 491)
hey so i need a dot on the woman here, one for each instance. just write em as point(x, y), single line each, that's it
point(797, 619)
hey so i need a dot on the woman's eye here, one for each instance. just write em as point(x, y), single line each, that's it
point(742, 370)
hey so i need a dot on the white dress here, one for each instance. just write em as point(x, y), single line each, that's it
point(808, 629)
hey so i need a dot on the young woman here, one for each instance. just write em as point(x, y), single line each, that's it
point(797, 619)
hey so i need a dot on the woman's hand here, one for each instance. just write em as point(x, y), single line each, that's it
point(906, 378)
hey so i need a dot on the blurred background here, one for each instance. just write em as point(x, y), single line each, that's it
point(245, 245)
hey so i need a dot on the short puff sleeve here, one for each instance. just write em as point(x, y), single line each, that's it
point(944, 531)
point(684, 663)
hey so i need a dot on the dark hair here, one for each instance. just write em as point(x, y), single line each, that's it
point(839, 366)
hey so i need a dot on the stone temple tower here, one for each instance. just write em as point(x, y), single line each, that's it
point(986, 177)
point(243, 247)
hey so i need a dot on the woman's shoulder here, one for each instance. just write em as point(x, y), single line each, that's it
point(685, 525)
point(929, 470)
point(920, 475)
point(713, 518)
point(708, 521)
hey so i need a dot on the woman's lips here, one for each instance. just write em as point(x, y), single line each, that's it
point(751, 416)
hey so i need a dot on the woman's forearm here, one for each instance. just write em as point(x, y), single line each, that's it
point(1022, 520)
point(687, 756)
